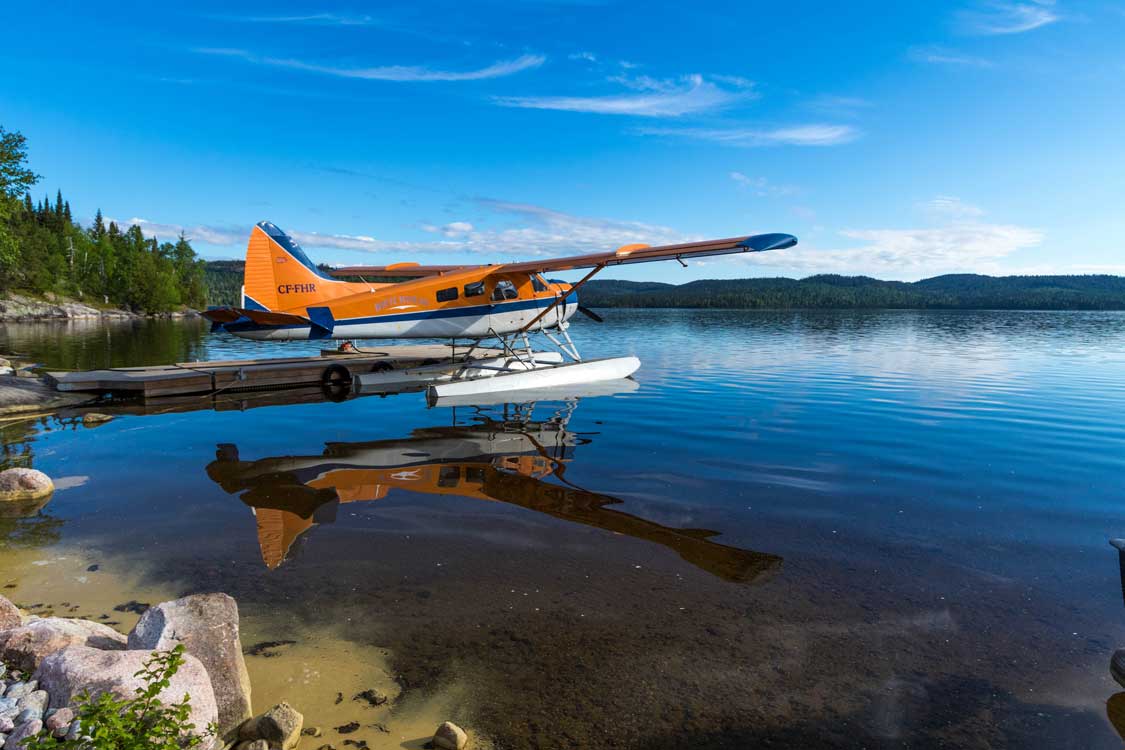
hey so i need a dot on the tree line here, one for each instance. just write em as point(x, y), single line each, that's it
point(43, 250)
point(954, 291)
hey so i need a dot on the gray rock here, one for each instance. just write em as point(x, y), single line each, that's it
point(58, 723)
point(26, 646)
point(8, 704)
point(449, 736)
point(18, 690)
point(27, 715)
point(253, 745)
point(24, 484)
point(9, 618)
point(67, 673)
point(36, 702)
point(93, 419)
point(22, 732)
point(207, 625)
point(279, 727)
point(75, 730)
point(6, 724)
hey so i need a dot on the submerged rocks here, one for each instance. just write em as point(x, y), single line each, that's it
point(67, 673)
point(26, 646)
point(449, 736)
point(24, 484)
point(207, 625)
point(279, 727)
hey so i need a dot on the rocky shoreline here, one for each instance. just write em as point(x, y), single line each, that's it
point(47, 663)
point(20, 308)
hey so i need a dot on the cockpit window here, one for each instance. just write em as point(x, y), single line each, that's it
point(537, 283)
point(504, 290)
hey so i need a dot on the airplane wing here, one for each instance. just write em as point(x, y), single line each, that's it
point(402, 270)
point(644, 253)
point(623, 255)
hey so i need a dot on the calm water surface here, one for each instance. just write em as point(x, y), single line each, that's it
point(823, 529)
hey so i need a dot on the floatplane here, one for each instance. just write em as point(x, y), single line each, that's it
point(286, 296)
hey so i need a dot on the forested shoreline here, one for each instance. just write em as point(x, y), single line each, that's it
point(44, 251)
point(949, 292)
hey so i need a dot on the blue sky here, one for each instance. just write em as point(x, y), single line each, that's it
point(900, 140)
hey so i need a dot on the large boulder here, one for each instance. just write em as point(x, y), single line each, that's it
point(9, 615)
point(26, 646)
point(207, 625)
point(66, 674)
point(24, 484)
point(22, 732)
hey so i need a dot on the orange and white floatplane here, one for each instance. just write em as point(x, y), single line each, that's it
point(285, 296)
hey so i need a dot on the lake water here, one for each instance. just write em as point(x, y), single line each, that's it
point(802, 529)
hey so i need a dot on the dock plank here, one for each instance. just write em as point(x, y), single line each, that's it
point(185, 378)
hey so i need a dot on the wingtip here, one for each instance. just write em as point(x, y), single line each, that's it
point(762, 242)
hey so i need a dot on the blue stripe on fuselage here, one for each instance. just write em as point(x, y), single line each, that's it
point(450, 312)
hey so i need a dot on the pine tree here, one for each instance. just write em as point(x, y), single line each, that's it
point(99, 226)
point(66, 213)
point(58, 205)
point(27, 203)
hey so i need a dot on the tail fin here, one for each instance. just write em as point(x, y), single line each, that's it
point(279, 276)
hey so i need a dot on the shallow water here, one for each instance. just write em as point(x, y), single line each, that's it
point(803, 529)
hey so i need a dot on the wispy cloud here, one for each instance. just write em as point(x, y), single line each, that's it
point(956, 242)
point(316, 19)
point(951, 207)
point(934, 55)
point(531, 231)
point(652, 98)
point(387, 72)
point(760, 186)
point(586, 56)
point(791, 135)
point(996, 17)
point(838, 106)
point(207, 234)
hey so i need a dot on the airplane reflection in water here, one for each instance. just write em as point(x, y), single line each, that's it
point(508, 460)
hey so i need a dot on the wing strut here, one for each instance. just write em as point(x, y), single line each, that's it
point(561, 298)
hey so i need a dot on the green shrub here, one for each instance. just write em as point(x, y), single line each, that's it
point(139, 723)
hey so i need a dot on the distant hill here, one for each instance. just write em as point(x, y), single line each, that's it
point(953, 291)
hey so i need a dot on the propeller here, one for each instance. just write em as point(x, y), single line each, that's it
point(591, 314)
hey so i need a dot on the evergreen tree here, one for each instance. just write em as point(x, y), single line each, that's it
point(98, 229)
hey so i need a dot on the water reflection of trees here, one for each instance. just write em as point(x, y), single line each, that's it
point(93, 344)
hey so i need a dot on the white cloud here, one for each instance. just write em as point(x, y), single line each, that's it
point(997, 17)
point(169, 232)
point(792, 135)
point(387, 72)
point(587, 56)
point(943, 56)
point(951, 207)
point(538, 231)
point(760, 186)
point(910, 254)
point(654, 98)
point(452, 229)
point(319, 19)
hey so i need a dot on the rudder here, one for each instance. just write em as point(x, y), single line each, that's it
point(279, 276)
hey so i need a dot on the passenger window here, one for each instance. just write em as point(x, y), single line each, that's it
point(474, 474)
point(474, 289)
point(447, 295)
point(537, 283)
point(449, 476)
point(504, 290)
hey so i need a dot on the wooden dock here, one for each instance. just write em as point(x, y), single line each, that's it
point(253, 374)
